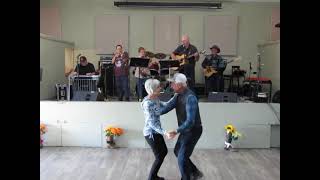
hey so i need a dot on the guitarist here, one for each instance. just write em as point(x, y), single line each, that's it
point(189, 50)
point(215, 81)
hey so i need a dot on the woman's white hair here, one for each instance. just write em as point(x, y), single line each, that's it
point(151, 85)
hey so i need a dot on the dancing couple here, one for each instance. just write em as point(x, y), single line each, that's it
point(189, 125)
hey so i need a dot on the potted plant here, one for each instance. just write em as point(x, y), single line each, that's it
point(43, 130)
point(111, 133)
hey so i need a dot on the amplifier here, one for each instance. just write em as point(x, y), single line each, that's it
point(222, 97)
point(61, 90)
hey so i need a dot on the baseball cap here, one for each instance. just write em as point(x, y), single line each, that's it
point(178, 78)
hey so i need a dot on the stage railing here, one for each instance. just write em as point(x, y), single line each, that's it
point(82, 83)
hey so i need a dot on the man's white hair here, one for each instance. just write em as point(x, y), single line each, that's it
point(185, 36)
point(151, 85)
point(184, 84)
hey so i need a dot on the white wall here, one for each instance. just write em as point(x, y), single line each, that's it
point(81, 120)
point(52, 60)
point(270, 58)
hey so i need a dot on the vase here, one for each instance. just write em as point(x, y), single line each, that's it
point(110, 142)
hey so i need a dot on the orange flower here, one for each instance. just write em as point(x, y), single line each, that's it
point(113, 131)
point(116, 131)
point(109, 130)
point(43, 128)
point(120, 131)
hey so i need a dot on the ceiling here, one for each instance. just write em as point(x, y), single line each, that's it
point(201, 1)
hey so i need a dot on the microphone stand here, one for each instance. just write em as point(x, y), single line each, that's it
point(69, 76)
point(259, 74)
point(250, 68)
point(78, 70)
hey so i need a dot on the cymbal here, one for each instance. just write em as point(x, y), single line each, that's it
point(160, 56)
point(149, 54)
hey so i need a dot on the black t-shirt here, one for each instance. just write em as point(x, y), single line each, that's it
point(188, 51)
point(83, 70)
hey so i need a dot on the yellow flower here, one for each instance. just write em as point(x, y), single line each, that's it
point(230, 127)
point(108, 128)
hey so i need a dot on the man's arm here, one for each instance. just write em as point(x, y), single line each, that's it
point(71, 71)
point(219, 66)
point(114, 58)
point(205, 63)
point(165, 107)
point(126, 58)
point(92, 69)
point(191, 109)
point(196, 54)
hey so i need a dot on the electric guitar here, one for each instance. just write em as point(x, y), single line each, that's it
point(209, 70)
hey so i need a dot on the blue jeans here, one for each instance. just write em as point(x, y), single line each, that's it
point(140, 86)
point(183, 150)
point(122, 83)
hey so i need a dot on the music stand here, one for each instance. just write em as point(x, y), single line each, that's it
point(139, 62)
point(169, 64)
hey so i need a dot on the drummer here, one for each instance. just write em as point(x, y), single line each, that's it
point(154, 67)
point(143, 76)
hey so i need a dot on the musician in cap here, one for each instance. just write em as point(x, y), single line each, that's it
point(214, 66)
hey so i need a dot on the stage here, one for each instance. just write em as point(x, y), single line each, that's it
point(82, 123)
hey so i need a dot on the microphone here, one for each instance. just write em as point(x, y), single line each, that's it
point(78, 58)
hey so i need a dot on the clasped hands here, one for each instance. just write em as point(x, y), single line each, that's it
point(171, 134)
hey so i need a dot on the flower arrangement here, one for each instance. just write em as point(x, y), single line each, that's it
point(235, 134)
point(43, 130)
point(231, 134)
point(113, 131)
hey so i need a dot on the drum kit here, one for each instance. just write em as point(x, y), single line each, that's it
point(155, 68)
point(160, 68)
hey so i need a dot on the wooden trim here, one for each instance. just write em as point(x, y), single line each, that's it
point(269, 43)
point(48, 37)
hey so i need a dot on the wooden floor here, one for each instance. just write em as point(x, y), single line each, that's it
point(76, 163)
